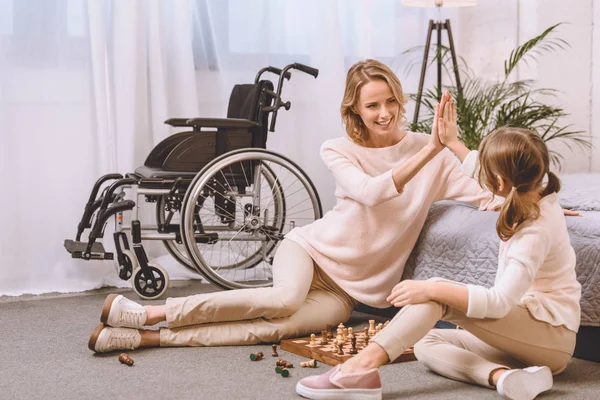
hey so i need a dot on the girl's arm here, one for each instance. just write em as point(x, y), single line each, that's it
point(527, 252)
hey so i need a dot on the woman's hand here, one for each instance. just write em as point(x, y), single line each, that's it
point(411, 292)
point(434, 142)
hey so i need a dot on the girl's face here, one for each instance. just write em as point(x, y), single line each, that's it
point(378, 108)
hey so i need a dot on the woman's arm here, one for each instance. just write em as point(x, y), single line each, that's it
point(373, 190)
point(370, 190)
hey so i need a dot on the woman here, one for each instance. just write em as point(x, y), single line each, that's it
point(386, 180)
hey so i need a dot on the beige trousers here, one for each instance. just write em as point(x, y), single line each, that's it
point(301, 301)
point(483, 345)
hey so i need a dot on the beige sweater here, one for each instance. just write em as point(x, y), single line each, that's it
point(536, 270)
point(364, 241)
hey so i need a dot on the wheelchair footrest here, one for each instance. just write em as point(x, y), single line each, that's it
point(78, 248)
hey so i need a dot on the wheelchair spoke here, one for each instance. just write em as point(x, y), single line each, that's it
point(247, 202)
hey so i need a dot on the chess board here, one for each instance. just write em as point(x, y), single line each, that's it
point(328, 355)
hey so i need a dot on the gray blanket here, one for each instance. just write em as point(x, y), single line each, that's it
point(459, 242)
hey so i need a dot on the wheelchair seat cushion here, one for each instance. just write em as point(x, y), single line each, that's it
point(153, 172)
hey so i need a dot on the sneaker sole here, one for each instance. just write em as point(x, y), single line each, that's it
point(341, 394)
point(525, 385)
point(106, 307)
point(94, 337)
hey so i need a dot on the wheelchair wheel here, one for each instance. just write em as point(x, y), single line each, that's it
point(130, 264)
point(145, 287)
point(167, 209)
point(238, 209)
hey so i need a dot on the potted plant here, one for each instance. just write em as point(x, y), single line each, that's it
point(484, 106)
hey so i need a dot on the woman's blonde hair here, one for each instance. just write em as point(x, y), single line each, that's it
point(521, 157)
point(360, 74)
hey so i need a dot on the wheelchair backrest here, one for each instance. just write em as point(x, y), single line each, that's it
point(247, 102)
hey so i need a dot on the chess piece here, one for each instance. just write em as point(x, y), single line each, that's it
point(386, 323)
point(340, 348)
point(353, 343)
point(313, 341)
point(125, 359)
point(350, 331)
point(285, 373)
point(334, 343)
point(284, 363)
point(256, 356)
point(329, 333)
point(323, 340)
point(371, 327)
point(309, 364)
point(367, 338)
point(345, 335)
point(275, 354)
point(379, 327)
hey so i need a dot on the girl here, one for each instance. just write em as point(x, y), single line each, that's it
point(515, 335)
point(386, 180)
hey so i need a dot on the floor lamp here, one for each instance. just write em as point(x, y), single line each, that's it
point(438, 26)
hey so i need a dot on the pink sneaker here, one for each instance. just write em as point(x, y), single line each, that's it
point(335, 385)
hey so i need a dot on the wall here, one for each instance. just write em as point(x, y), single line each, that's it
point(488, 32)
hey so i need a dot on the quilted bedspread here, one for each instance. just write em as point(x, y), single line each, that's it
point(459, 242)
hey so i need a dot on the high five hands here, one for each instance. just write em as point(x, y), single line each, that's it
point(444, 130)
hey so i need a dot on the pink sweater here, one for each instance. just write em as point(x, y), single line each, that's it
point(364, 241)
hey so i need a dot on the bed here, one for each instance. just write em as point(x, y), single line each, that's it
point(459, 242)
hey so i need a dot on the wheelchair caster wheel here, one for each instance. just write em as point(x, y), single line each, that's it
point(130, 264)
point(144, 286)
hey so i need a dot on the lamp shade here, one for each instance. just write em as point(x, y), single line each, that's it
point(439, 3)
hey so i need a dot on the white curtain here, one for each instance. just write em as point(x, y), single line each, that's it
point(86, 85)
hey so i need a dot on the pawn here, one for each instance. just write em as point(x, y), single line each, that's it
point(275, 354)
point(371, 327)
point(125, 359)
point(256, 356)
point(309, 364)
point(313, 340)
point(386, 323)
point(323, 340)
point(353, 343)
point(328, 327)
point(350, 331)
point(340, 346)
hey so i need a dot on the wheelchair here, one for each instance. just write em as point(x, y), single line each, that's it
point(223, 202)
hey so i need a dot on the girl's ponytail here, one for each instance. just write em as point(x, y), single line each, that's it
point(553, 185)
point(515, 211)
point(520, 157)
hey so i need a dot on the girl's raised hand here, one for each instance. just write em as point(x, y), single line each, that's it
point(447, 125)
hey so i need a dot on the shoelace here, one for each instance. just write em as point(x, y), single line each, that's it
point(133, 317)
point(122, 340)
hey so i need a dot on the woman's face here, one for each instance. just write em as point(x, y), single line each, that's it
point(378, 108)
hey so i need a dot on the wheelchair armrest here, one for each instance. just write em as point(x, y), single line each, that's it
point(177, 121)
point(221, 123)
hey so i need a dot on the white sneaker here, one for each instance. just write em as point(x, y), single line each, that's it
point(524, 384)
point(120, 312)
point(105, 339)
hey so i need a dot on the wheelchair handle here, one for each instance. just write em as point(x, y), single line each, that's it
point(273, 70)
point(278, 102)
point(306, 69)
